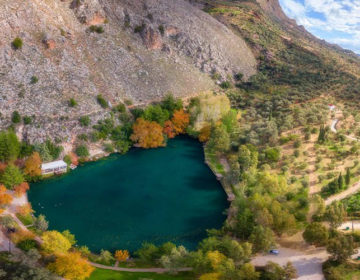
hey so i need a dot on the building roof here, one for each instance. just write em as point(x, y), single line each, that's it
point(53, 164)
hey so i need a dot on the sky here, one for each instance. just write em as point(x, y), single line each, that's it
point(336, 21)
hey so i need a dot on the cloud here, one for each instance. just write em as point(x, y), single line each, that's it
point(337, 21)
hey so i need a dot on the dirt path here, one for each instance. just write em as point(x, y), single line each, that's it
point(307, 263)
point(352, 190)
point(155, 270)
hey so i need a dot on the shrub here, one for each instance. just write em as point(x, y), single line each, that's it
point(27, 120)
point(297, 144)
point(139, 28)
point(162, 30)
point(17, 43)
point(72, 102)
point(102, 102)
point(84, 121)
point(225, 85)
point(82, 151)
point(97, 29)
point(272, 154)
point(34, 80)
point(27, 244)
point(16, 118)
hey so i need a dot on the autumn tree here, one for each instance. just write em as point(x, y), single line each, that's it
point(180, 121)
point(5, 199)
point(55, 242)
point(33, 165)
point(24, 209)
point(21, 189)
point(205, 133)
point(122, 255)
point(147, 134)
point(12, 176)
point(72, 266)
point(169, 129)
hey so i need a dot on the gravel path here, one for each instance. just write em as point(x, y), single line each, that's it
point(155, 270)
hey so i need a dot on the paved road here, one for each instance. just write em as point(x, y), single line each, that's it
point(307, 264)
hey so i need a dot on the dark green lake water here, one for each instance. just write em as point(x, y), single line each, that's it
point(159, 195)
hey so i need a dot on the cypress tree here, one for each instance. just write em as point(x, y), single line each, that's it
point(341, 182)
point(347, 177)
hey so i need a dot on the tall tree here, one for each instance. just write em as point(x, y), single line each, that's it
point(9, 146)
point(12, 176)
point(180, 121)
point(341, 247)
point(347, 176)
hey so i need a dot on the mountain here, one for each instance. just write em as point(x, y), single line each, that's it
point(137, 51)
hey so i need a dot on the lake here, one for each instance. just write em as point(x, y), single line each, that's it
point(157, 195)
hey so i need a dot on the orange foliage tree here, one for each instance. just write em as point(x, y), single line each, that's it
point(180, 121)
point(205, 133)
point(122, 255)
point(169, 129)
point(21, 189)
point(5, 198)
point(147, 134)
point(33, 165)
point(72, 266)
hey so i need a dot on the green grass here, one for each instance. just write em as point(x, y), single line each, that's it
point(102, 274)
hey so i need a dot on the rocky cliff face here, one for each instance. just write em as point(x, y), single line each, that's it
point(148, 48)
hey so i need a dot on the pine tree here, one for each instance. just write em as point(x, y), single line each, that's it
point(12, 176)
point(347, 177)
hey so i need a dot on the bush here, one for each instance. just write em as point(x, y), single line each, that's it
point(225, 85)
point(17, 43)
point(272, 154)
point(27, 244)
point(82, 151)
point(97, 29)
point(16, 118)
point(27, 120)
point(72, 102)
point(102, 102)
point(162, 30)
point(34, 80)
point(297, 144)
point(139, 28)
point(84, 121)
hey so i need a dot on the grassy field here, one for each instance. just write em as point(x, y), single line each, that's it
point(102, 274)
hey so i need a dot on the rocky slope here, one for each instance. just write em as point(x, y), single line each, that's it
point(175, 49)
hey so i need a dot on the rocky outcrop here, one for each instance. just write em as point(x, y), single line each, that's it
point(176, 48)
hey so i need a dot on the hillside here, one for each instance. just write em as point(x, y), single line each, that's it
point(138, 51)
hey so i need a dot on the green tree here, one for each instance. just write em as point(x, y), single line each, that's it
point(105, 257)
point(171, 104)
point(157, 114)
point(335, 214)
point(341, 181)
point(262, 239)
point(102, 102)
point(230, 121)
point(219, 139)
point(347, 176)
point(9, 146)
point(248, 272)
point(84, 121)
point(12, 176)
point(341, 247)
point(316, 234)
point(82, 151)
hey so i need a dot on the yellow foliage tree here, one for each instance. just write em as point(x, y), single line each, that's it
point(122, 255)
point(215, 258)
point(24, 209)
point(147, 134)
point(54, 242)
point(33, 165)
point(210, 276)
point(72, 266)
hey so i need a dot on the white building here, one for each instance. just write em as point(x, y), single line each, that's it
point(55, 167)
